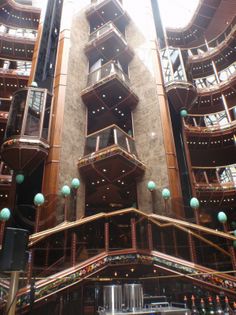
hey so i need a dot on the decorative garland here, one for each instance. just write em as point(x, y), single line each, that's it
point(79, 275)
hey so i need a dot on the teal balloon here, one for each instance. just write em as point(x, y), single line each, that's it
point(165, 193)
point(151, 185)
point(20, 178)
point(194, 203)
point(183, 113)
point(65, 191)
point(234, 244)
point(39, 199)
point(5, 214)
point(222, 217)
point(75, 183)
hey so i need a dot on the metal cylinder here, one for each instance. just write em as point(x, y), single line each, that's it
point(112, 298)
point(133, 297)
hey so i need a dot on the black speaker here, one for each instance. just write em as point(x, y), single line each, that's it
point(13, 256)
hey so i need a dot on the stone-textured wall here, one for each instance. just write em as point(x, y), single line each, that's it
point(148, 130)
point(74, 126)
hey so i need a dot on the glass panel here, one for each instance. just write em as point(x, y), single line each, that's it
point(121, 139)
point(90, 145)
point(15, 119)
point(46, 120)
point(35, 107)
point(106, 139)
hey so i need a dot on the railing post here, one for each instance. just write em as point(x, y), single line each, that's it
point(106, 232)
point(73, 248)
point(175, 242)
point(192, 248)
point(150, 239)
point(133, 233)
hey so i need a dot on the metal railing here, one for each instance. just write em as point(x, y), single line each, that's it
point(106, 28)
point(211, 122)
point(108, 70)
point(107, 137)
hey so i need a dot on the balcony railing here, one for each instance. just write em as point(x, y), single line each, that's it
point(215, 178)
point(212, 82)
point(106, 28)
point(15, 72)
point(110, 69)
point(18, 32)
point(215, 44)
point(211, 122)
point(107, 137)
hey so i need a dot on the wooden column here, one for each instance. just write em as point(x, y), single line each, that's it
point(107, 236)
point(51, 170)
point(73, 248)
point(133, 233)
point(168, 138)
point(150, 239)
point(192, 248)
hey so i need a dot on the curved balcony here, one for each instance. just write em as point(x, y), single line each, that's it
point(217, 46)
point(18, 33)
point(110, 43)
point(180, 91)
point(196, 27)
point(27, 132)
point(17, 15)
point(108, 87)
point(217, 183)
point(103, 11)
point(16, 48)
point(214, 124)
point(11, 80)
point(106, 148)
point(211, 85)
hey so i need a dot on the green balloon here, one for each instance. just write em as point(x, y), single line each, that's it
point(20, 178)
point(222, 217)
point(151, 185)
point(194, 203)
point(65, 191)
point(183, 113)
point(165, 193)
point(39, 199)
point(75, 183)
point(5, 214)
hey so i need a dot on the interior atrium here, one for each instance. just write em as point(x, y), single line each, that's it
point(118, 156)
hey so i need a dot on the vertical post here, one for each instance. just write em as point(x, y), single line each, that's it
point(133, 233)
point(230, 247)
point(73, 248)
point(47, 254)
point(11, 302)
point(150, 239)
point(162, 242)
point(175, 242)
point(192, 248)
point(106, 231)
point(37, 219)
point(226, 107)
point(2, 227)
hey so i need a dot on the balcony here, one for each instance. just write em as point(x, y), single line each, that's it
point(103, 11)
point(27, 131)
point(108, 87)
point(217, 183)
point(212, 83)
point(19, 49)
point(214, 47)
point(211, 125)
point(110, 43)
point(111, 154)
point(11, 80)
point(180, 91)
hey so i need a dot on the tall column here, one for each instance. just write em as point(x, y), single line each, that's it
point(51, 171)
point(133, 233)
